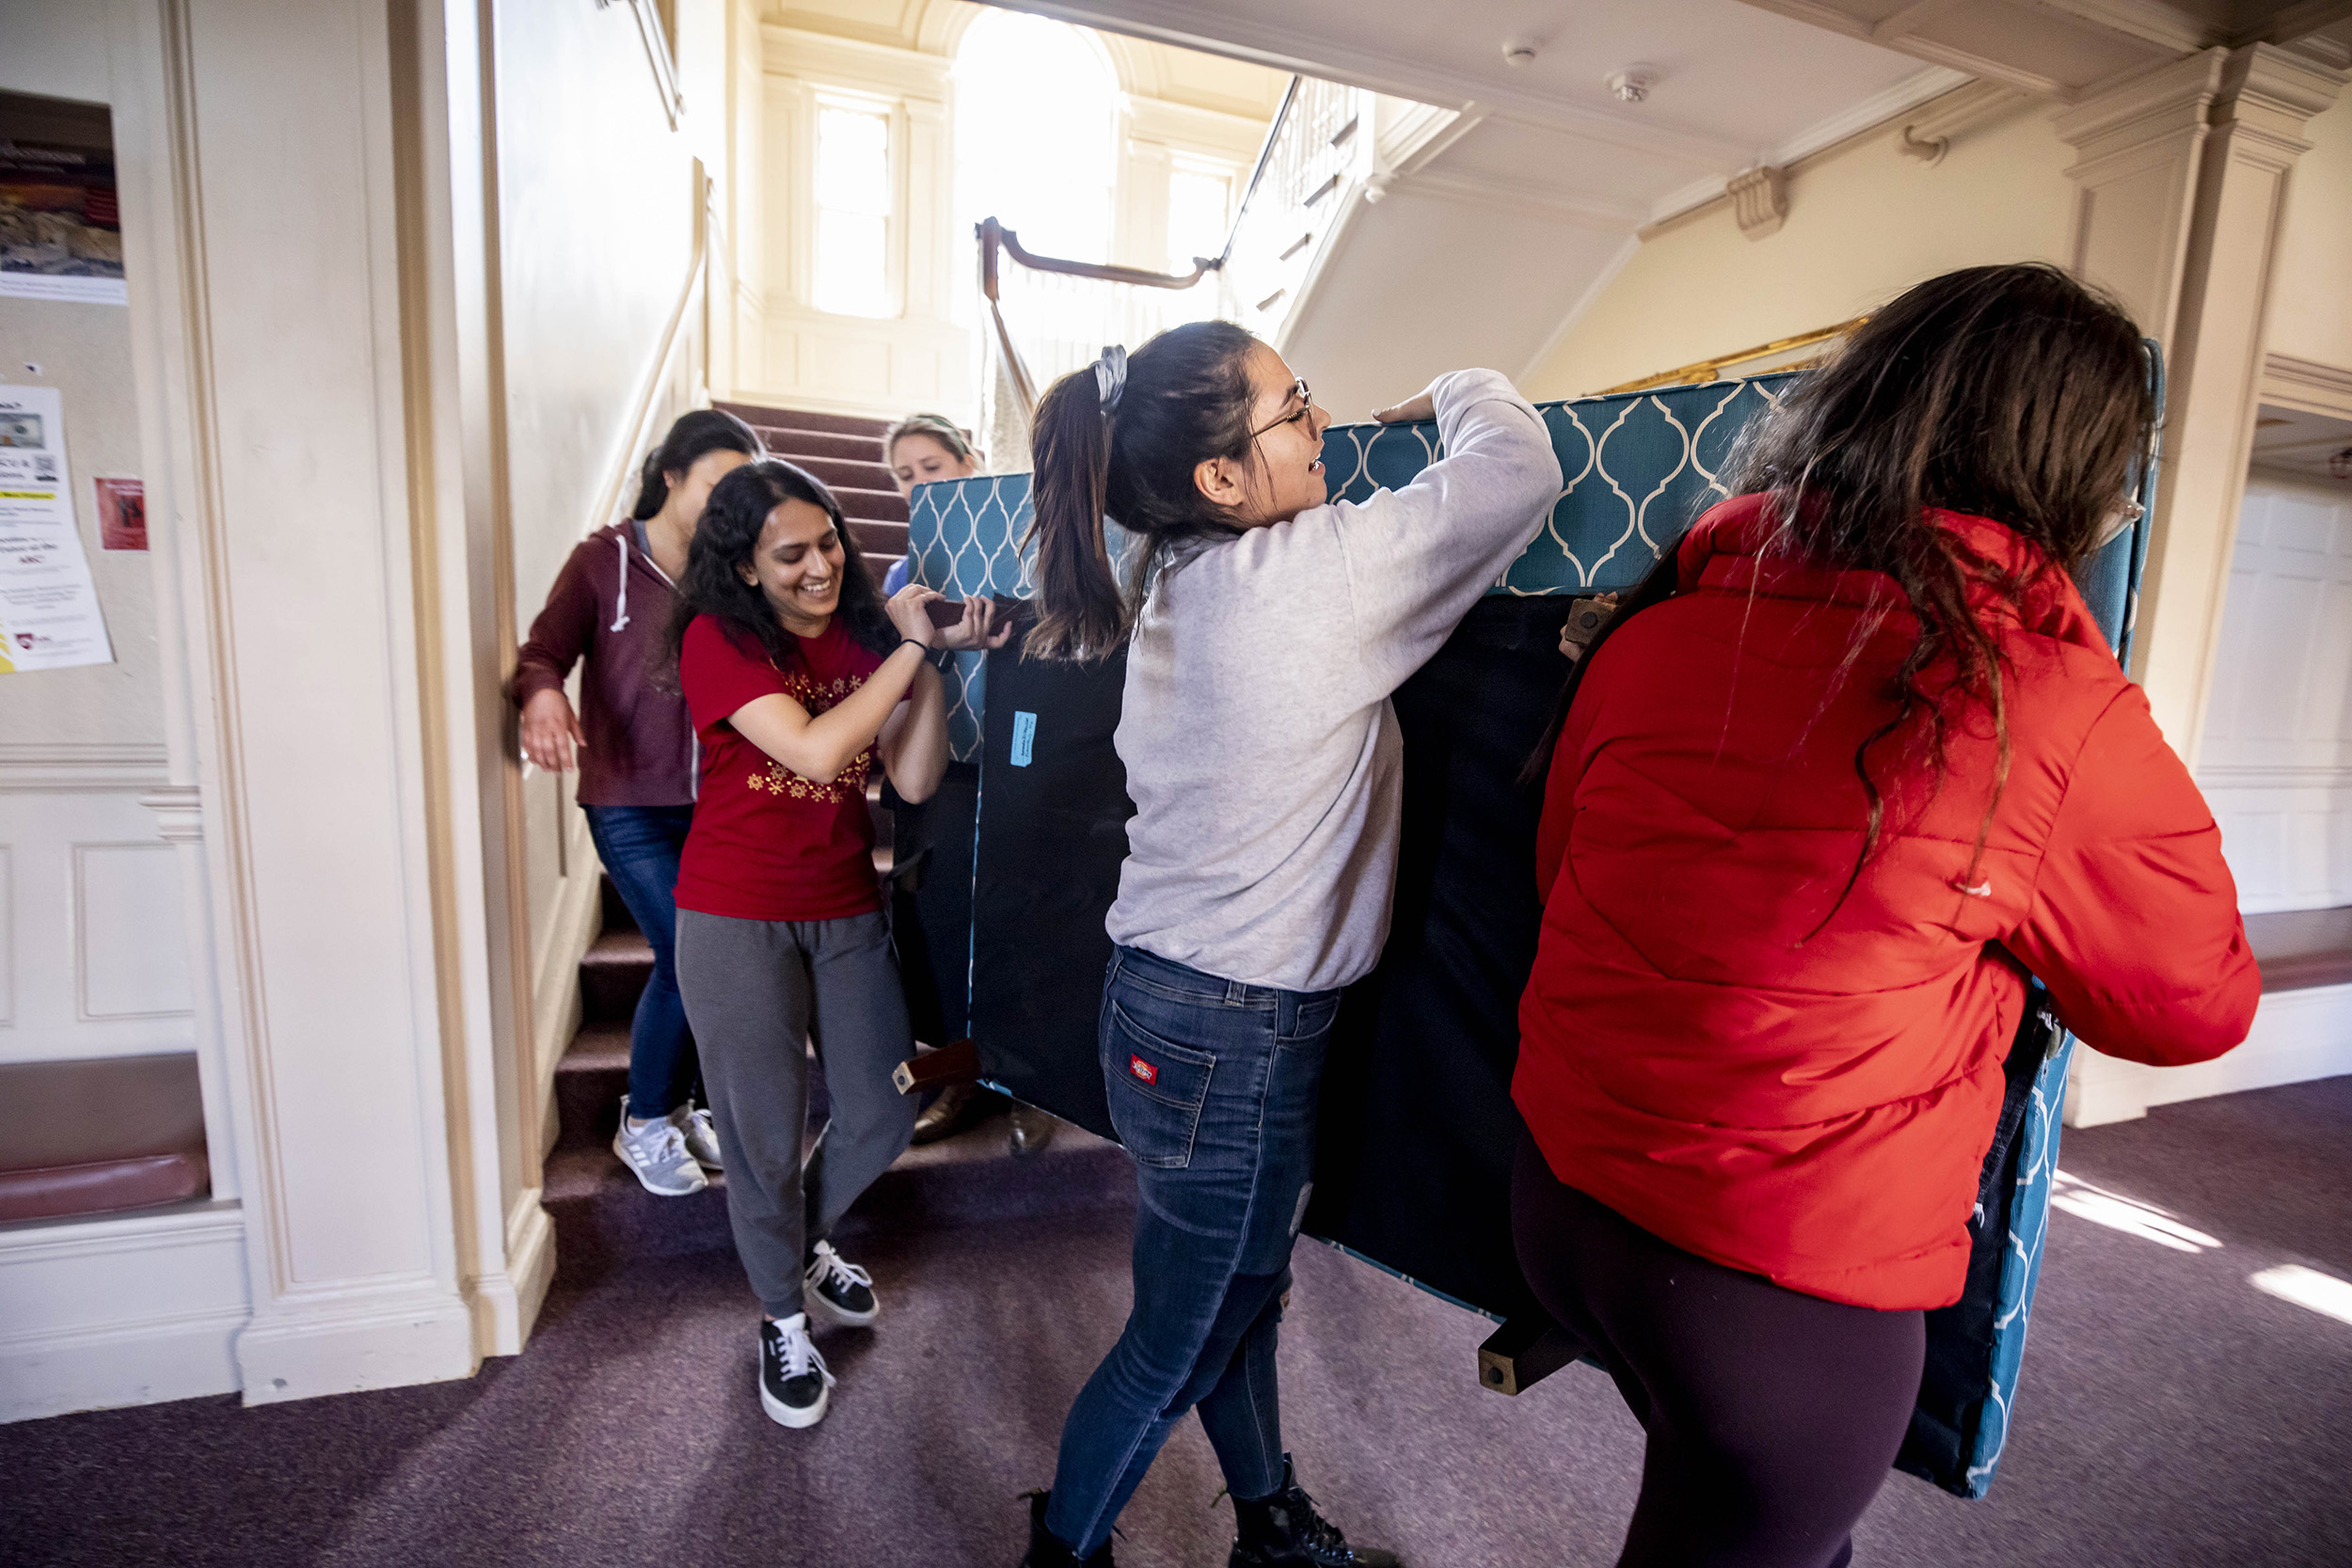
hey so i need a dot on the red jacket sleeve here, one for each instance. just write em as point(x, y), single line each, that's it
point(2134, 924)
point(561, 633)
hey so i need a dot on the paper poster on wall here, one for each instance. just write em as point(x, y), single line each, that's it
point(122, 513)
point(60, 230)
point(49, 617)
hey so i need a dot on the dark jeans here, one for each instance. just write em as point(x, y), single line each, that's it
point(1212, 1086)
point(639, 845)
point(1772, 1416)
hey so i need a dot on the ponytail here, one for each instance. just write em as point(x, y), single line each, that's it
point(1120, 439)
point(1081, 613)
point(695, 433)
point(653, 487)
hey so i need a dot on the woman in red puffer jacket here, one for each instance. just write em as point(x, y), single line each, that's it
point(1849, 764)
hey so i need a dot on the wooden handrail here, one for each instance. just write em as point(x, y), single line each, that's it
point(1710, 370)
point(994, 235)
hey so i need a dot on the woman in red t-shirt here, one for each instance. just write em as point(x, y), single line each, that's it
point(799, 678)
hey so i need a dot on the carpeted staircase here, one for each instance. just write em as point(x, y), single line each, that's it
point(603, 1218)
point(845, 450)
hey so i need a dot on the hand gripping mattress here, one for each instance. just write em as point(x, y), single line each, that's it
point(1416, 1128)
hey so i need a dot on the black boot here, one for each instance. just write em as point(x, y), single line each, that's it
point(1046, 1549)
point(1285, 1529)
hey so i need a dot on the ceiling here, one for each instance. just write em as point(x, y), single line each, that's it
point(2299, 442)
point(1507, 223)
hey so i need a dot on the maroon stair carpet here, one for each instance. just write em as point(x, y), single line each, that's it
point(2171, 1414)
point(844, 450)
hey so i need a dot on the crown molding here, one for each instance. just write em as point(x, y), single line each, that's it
point(2307, 385)
point(1923, 86)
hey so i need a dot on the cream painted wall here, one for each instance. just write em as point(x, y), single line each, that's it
point(1864, 224)
point(2311, 308)
point(597, 207)
point(85, 352)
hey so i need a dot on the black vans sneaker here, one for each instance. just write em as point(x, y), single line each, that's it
point(793, 1382)
point(1285, 1529)
point(838, 1290)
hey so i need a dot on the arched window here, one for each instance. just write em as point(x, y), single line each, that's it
point(1037, 133)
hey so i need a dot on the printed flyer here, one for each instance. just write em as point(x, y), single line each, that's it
point(49, 617)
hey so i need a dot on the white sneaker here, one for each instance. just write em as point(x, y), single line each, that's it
point(702, 1138)
point(656, 1153)
point(794, 1385)
point(839, 1290)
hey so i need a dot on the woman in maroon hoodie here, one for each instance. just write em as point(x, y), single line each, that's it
point(1852, 763)
point(637, 759)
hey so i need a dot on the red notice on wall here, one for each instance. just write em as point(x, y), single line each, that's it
point(122, 513)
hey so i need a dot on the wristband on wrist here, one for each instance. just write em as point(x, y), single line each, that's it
point(923, 648)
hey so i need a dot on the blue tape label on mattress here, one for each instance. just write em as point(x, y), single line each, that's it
point(1024, 734)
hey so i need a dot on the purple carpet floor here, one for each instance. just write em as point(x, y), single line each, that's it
point(2173, 1413)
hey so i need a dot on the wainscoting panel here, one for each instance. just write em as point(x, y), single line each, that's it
point(2277, 758)
point(93, 946)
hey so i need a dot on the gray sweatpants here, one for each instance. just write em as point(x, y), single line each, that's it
point(756, 992)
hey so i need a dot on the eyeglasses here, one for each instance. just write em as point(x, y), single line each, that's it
point(1306, 406)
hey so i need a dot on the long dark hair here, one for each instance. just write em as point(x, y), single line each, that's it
point(694, 433)
point(724, 540)
point(1186, 402)
point(2009, 392)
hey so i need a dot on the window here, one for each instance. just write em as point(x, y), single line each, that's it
point(1197, 216)
point(1036, 134)
point(852, 211)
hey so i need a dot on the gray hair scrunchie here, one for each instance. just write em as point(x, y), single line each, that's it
point(1110, 378)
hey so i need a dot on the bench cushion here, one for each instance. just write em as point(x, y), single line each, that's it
point(95, 1138)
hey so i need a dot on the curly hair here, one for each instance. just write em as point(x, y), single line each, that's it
point(724, 539)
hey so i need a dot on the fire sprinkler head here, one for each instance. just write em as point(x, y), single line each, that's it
point(1632, 84)
point(1519, 51)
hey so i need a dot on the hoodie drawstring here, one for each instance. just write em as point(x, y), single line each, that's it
point(620, 607)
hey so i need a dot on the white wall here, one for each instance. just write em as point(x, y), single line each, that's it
point(2276, 761)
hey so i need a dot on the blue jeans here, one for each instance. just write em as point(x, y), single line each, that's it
point(640, 846)
point(1212, 1086)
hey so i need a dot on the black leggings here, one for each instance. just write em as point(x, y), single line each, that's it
point(1772, 1416)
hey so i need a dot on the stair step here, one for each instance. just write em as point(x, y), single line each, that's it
point(612, 975)
point(880, 566)
point(593, 1076)
point(802, 418)
point(842, 474)
point(887, 540)
point(603, 1218)
point(792, 445)
point(616, 915)
point(871, 506)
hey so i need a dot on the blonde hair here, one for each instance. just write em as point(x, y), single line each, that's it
point(939, 427)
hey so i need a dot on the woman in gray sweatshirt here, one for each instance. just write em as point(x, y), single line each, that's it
point(1265, 630)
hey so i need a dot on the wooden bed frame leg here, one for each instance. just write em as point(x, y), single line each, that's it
point(1523, 1352)
point(959, 1063)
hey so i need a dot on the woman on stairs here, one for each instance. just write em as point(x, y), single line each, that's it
point(1847, 765)
point(611, 605)
point(1265, 630)
point(799, 678)
point(926, 449)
